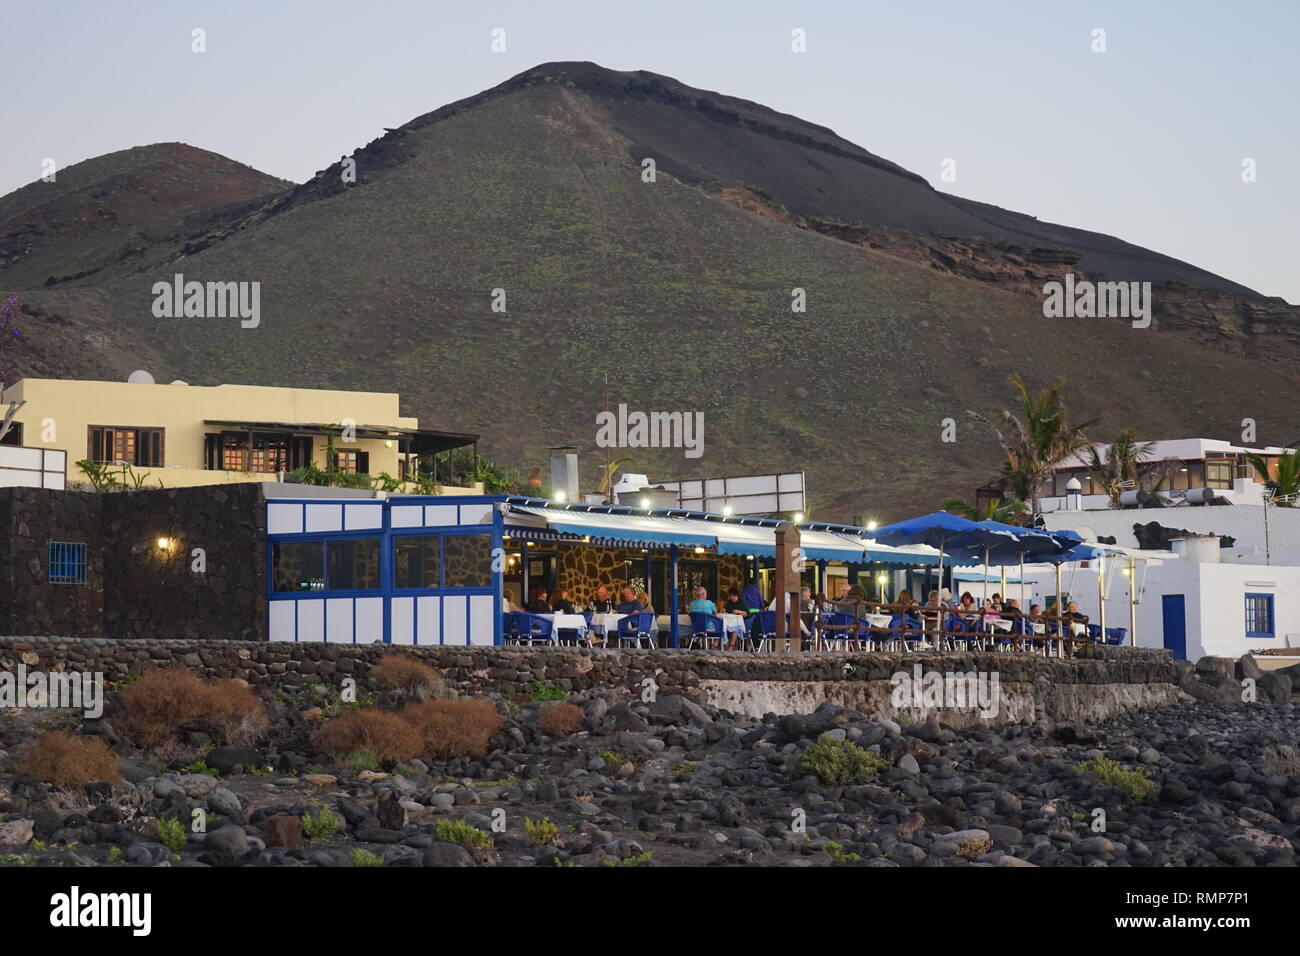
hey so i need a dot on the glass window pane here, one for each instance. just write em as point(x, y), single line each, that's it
point(353, 564)
point(298, 565)
point(467, 560)
point(415, 561)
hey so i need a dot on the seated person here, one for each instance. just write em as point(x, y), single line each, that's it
point(601, 603)
point(645, 602)
point(933, 612)
point(508, 604)
point(1012, 608)
point(852, 601)
point(994, 604)
point(629, 604)
point(539, 604)
point(701, 604)
point(560, 602)
point(967, 609)
point(752, 599)
point(735, 605)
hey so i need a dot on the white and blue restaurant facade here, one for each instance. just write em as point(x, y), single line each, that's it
point(432, 570)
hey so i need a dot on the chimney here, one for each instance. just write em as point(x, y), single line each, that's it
point(564, 472)
point(1198, 549)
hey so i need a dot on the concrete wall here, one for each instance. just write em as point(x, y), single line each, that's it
point(73, 406)
point(1245, 523)
point(1032, 687)
point(1214, 602)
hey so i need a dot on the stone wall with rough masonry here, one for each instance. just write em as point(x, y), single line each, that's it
point(1087, 689)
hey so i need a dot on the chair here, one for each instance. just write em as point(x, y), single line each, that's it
point(509, 629)
point(839, 626)
point(1094, 632)
point(705, 628)
point(1116, 635)
point(533, 629)
point(958, 632)
point(763, 629)
point(636, 628)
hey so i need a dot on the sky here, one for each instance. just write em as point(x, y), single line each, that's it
point(1144, 140)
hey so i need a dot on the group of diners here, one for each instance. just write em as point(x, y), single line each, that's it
point(851, 620)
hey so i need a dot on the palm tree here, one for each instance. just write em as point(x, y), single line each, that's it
point(1007, 512)
point(1121, 465)
point(1284, 481)
point(1035, 440)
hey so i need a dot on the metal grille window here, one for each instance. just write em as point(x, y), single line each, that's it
point(67, 563)
point(1259, 615)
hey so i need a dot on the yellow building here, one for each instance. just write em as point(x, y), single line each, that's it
point(182, 434)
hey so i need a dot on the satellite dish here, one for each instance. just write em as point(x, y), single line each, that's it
point(140, 377)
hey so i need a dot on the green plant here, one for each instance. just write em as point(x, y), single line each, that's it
point(631, 860)
point(682, 769)
point(17, 859)
point(114, 854)
point(1283, 480)
point(462, 833)
point(836, 852)
point(613, 759)
point(171, 833)
point(840, 762)
point(364, 759)
point(542, 831)
point(319, 825)
point(362, 857)
point(100, 475)
point(1137, 783)
point(1035, 440)
point(37, 845)
point(544, 692)
point(201, 766)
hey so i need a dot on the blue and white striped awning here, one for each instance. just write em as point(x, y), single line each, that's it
point(726, 537)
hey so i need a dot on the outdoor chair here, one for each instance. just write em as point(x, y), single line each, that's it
point(1116, 635)
point(705, 628)
point(638, 627)
point(509, 630)
point(533, 629)
point(1094, 632)
point(841, 629)
point(959, 633)
point(763, 629)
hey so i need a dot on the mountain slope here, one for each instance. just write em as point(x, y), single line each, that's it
point(679, 291)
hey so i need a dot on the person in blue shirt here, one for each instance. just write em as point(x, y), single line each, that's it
point(629, 605)
point(702, 604)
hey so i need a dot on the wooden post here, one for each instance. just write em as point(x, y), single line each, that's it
point(788, 562)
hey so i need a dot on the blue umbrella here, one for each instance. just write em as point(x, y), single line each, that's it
point(943, 531)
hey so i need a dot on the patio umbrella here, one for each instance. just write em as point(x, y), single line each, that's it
point(943, 531)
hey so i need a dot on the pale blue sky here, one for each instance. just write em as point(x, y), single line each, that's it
point(1144, 141)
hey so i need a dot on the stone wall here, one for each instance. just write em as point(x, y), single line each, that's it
point(583, 569)
point(1083, 689)
point(135, 588)
point(153, 592)
point(30, 518)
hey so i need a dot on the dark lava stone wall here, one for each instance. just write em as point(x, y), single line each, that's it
point(30, 518)
point(135, 589)
point(153, 593)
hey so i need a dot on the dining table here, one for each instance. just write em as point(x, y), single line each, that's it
point(566, 622)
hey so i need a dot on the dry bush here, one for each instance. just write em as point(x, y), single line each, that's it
point(69, 762)
point(391, 738)
point(458, 727)
point(559, 719)
point(163, 703)
point(406, 679)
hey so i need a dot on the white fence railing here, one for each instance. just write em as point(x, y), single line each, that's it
point(33, 467)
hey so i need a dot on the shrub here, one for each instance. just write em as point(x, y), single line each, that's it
point(559, 719)
point(542, 831)
point(386, 735)
point(458, 831)
point(837, 855)
point(454, 728)
point(319, 825)
point(362, 857)
point(162, 703)
point(1136, 783)
point(171, 833)
point(840, 762)
point(407, 679)
point(67, 761)
point(363, 760)
point(543, 692)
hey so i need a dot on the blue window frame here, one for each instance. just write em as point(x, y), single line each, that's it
point(67, 563)
point(1259, 615)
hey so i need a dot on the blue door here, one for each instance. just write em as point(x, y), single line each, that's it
point(1175, 621)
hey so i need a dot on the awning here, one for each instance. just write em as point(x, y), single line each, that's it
point(726, 537)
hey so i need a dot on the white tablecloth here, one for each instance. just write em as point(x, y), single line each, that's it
point(733, 623)
point(567, 622)
point(607, 622)
point(998, 624)
point(1038, 626)
point(878, 620)
point(1078, 630)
